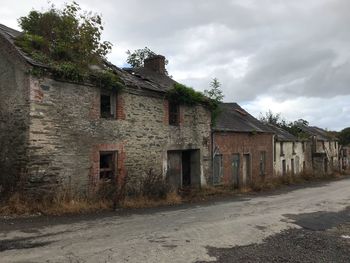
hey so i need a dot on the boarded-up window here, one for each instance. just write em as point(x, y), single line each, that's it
point(218, 171)
point(262, 163)
point(108, 105)
point(174, 113)
point(293, 146)
point(107, 165)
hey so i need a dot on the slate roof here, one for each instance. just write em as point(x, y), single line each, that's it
point(282, 135)
point(134, 78)
point(10, 34)
point(159, 82)
point(320, 134)
point(234, 118)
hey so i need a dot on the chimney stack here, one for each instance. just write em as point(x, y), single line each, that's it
point(155, 63)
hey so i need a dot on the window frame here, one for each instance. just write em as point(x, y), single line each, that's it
point(113, 166)
point(174, 115)
point(113, 97)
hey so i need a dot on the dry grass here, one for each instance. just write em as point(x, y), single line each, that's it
point(171, 198)
point(18, 204)
point(279, 181)
point(65, 203)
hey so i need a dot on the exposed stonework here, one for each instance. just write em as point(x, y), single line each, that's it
point(66, 133)
point(14, 115)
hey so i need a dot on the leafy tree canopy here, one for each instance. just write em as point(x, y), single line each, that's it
point(292, 127)
point(69, 34)
point(68, 40)
point(137, 57)
point(344, 136)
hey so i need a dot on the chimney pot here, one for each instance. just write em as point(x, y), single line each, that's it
point(155, 63)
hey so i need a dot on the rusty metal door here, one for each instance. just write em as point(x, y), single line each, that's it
point(174, 171)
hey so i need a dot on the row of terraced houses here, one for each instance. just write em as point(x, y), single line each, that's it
point(57, 132)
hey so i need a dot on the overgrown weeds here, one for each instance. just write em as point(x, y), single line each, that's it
point(19, 204)
point(287, 180)
point(152, 191)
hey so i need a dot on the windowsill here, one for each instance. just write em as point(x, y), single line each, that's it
point(109, 118)
point(282, 154)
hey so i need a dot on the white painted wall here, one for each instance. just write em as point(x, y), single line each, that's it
point(298, 156)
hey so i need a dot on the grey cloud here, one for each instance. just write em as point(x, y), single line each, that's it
point(280, 49)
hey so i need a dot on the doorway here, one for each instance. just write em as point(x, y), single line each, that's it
point(186, 168)
point(183, 168)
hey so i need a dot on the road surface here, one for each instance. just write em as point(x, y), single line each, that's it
point(188, 233)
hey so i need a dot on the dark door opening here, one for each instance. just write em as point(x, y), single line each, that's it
point(186, 168)
point(183, 168)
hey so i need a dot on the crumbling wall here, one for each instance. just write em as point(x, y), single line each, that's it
point(14, 116)
point(67, 134)
point(298, 155)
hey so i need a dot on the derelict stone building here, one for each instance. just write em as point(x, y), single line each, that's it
point(55, 132)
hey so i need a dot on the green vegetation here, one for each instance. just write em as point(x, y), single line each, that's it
point(344, 136)
point(182, 94)
point(69, 42)
point(215, 93)
point(185, 95)
point(291, 127)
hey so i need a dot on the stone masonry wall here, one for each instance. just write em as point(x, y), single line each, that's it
point(67, 134)
point(14, 116)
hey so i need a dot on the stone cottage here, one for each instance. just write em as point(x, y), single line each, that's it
point(291, 156)
point(54, 132)
point(324, 150)
point(242, 147)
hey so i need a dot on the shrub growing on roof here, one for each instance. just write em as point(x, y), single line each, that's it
point(68, 40)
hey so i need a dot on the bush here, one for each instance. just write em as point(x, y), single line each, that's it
point(154, 185)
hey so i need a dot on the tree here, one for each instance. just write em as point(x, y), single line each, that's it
point(273, 118)
point(137, 57)
point(344, 136)
point(68, 41)
point(215, 93)
point(292, 127)
point(64, 35)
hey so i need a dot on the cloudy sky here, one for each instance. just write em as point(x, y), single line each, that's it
point(292, 57)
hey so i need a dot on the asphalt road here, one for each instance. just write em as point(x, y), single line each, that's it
point(235, 230)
